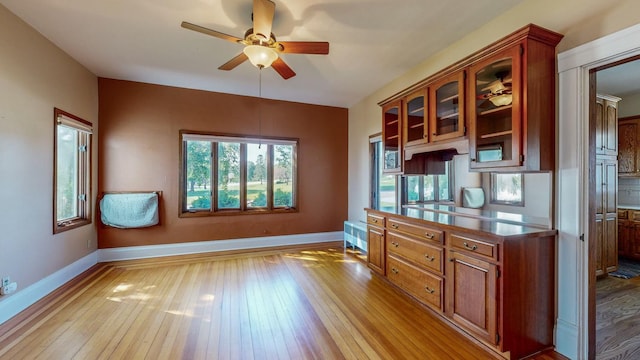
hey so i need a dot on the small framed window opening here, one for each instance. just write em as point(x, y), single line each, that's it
point(72, 171)
point(507, 189)
point(419, 189)
point(231, 174)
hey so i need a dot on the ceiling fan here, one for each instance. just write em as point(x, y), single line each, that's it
point(261, 46)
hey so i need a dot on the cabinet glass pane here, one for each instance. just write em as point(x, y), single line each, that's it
point(494, 126)
point(415, 119)
point(392, 138)
point(447, 109)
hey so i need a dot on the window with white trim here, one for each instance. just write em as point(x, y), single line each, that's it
point(226, 174)
point(72, 171)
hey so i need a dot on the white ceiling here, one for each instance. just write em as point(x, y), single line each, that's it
point(372, 41)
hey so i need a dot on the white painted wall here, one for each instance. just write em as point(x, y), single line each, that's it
point(35, 77)
point(629, 106)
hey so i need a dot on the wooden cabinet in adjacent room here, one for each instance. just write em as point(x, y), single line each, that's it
point(629, 233)
point(607, 125)
point(606, 215)
point(629, 146)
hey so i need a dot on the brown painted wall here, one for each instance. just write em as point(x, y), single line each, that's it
point(139, 150)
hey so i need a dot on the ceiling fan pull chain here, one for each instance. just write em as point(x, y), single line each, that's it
point(260, 109)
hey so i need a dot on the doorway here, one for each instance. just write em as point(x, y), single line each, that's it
point(614, 114)
point(575, 327)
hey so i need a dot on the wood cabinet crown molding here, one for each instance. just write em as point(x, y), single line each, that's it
point(530, 31)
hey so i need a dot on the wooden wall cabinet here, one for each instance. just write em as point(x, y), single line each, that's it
point(415, 126)
point(628, 147)
point(447, 112)
point(482, 283)
point(392, 137)
point(505, 93)
point(512, 104)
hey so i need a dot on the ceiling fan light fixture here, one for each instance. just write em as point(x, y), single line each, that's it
point(260, 56)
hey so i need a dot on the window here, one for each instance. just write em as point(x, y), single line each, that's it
point(429, 188)
point(507, 189)
point(72, 171)
point(383, 186)
point(234, 174)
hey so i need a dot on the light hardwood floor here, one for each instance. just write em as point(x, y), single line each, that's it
point(320, 303)
point(618, 318)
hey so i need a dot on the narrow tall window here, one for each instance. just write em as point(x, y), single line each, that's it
point(72, 171)
point(235, 174)
point(383, 186)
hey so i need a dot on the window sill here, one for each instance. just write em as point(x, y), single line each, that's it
point(59, 227)
point(205, 213)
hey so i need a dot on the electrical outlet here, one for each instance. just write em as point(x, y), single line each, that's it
point(6, 281)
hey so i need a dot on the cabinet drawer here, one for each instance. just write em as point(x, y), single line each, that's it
point(419, 283)
point(418, 251)
point(375, 220)
point(474, 246)
point(422, 232)
point(633, 215)
point(622, 214)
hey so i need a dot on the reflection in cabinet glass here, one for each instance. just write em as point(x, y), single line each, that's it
point(448, 111)
point(391, 138)
point(496, 85)
point(415, 124)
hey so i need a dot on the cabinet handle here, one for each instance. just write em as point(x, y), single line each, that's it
point(429, 235)
point(469, 247)
point(430, 291)
point(374, 220)
point(429, 258)
point(394, 270)
point(395, 244)
point(395, 226)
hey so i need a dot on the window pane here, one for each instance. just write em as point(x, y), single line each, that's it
point(67, 173)
point(282, 176)
point(256, 175)
point(429, 188)
point(413, 188)
point(507, 188)
point(228, 175)
point(198, 176)
point(444, 193)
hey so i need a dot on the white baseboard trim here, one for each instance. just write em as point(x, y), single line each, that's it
point(149, 251)
point(13, 304)
point(567, 339)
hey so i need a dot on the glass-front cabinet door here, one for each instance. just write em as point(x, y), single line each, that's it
point(415, 120)
point(495, 116)
point(391, 137)
point(447, 108)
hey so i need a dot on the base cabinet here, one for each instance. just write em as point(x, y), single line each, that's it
point(629, 234)
point(497, 289)
point(375, 243)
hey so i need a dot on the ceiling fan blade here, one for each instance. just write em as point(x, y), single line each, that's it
point(207, 31)
point(304, 47)
point(283, 69)
point(263, 11)
point(239, 59)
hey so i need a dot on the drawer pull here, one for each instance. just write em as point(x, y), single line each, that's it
point(394, 270)
point(395, 226)
point(429, 235)
point(429, 258)
point(430, 291)
point(374, 220)
point(473, 247)
point(395, 244)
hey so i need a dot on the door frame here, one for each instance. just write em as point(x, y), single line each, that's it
point(575, 326)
